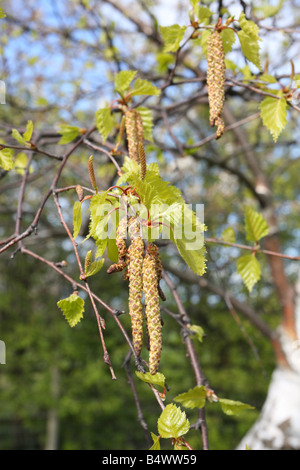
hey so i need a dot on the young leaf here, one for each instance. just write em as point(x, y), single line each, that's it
point(228, 37)
point(249, 27)
point(202, 13)
point(255, 225)
point(273, 112)
point(18, 137)
point(172, 36)
point(231, 407)
point(2, 14)
point(20, 163)
point(249, 269)
point(94, 267)
point(104, 122)
point(250, 48)
point(172, 422)
point(156, 442)
point(198, 332)
point(77, 218)
point(194, 398)
point(228, 235)
point(69, 133)
point(144, 87)
point(123, 80)
point(156, 379)
point(6, 160)
point(28, 133)
point(72, 308)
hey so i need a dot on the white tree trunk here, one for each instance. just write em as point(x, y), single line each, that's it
point(278, 426)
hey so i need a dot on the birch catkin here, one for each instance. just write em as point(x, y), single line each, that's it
point(152, 310)
point(216, 80)
point(135, 267)
point(121, 236)
point(135, 133)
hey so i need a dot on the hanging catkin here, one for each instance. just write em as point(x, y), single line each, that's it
point(216, 80)
point(152, 310)
point(121, 236)
point(135, 266)
point(135, 133)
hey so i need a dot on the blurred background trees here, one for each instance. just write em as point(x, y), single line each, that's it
point(58, 62)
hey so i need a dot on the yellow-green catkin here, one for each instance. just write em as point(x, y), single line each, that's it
point(121, 235)
point(216, 80)
point(152, 310)
point(135, 256)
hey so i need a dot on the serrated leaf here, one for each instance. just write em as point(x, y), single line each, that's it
point(123, 80)
point(104, 122)
point(6, 159)
point(155, 379)
point(69, 133)
point(18, 137)
point(94, 267)
point(28, 133)
point(202, 13)
point(228, 38)
point(249, 269)
point(144, 87)
point(255, 225)
point(77, 218)
point(250, 48)
point(198, 332)
point(231, 407)
point(172, 422)
point(273, 112)
point(156, 442)
point(228, 235)
point(172, 36)
point(194, 398)
point(249, 27)
point(72, 308)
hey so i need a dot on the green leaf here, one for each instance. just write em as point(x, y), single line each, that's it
point(203, 40)
point(94, 267)
point(69, 133)
point(28, 133)
point(18, 137)
point(172, 36)
point(112, 250)
point(198, 332)
point(77, 218)
point(202, 13)
point(255, 225)
point(155, 379)
point(144, 87)
point(156, 442)
point(231, 407)
point(20, 163)
point(249, 27)
point(249, 269)
point(2, 14)
point(228, 37)
point(250, 48)
point(273, 112)
point(123, 80)
point(104, 122)
point(6, 159)
point(228, 235)
point(72, 308)
point(194, 398)
point(172, 422)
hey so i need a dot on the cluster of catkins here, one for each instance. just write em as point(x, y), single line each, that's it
point(216, 80)
point(142, 268)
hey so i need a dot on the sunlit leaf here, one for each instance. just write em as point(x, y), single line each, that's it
point(194, 398)
point(249, 269)
point(72, 308)
point(172, 422)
